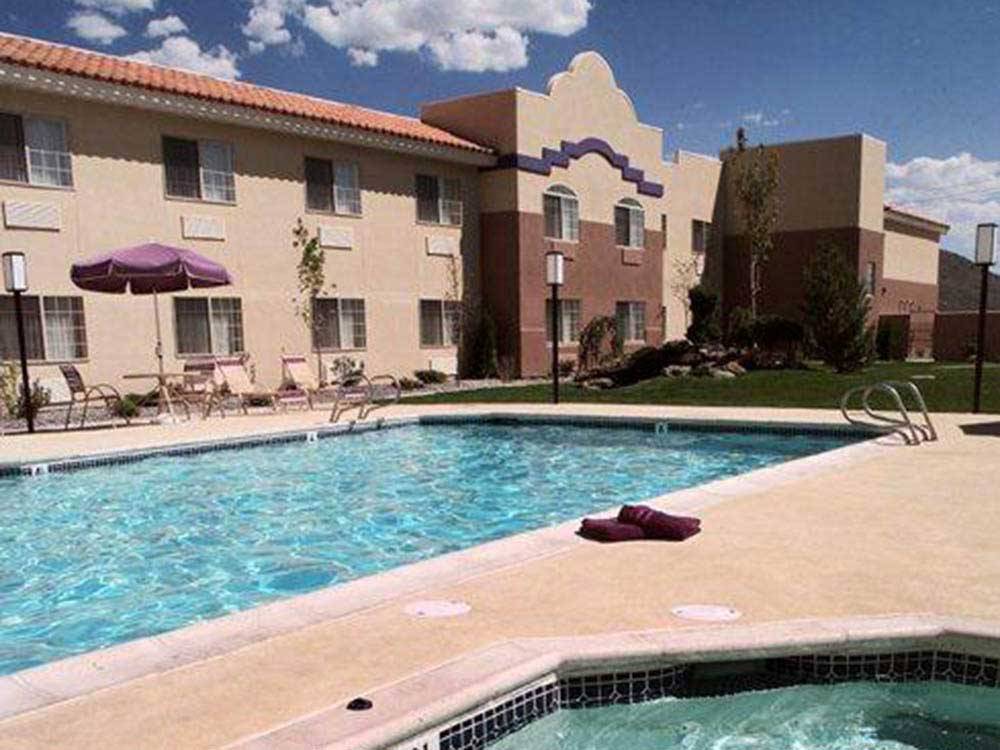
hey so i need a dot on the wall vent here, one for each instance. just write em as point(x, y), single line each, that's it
point(29, 215)
point(203, 228)
point(442, 245)
point(338, 238)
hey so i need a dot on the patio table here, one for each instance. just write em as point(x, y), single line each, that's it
point(163, 404)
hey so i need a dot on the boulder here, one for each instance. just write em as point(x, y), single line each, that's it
point(677, 371)
point(701, 371)
point(598, 384)
point(721, 373)
point(735, 368)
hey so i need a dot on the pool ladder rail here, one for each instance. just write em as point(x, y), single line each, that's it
point(912, 433)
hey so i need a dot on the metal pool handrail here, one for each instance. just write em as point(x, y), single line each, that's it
point(912, 434)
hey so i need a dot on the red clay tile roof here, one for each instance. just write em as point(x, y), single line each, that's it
point(57, 58)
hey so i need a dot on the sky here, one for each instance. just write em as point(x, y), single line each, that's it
point(922, 76)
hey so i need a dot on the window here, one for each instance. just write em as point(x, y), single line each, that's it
point(631, 318)
point(701, 235)
point(201, 170)
point(562, 214)
point(339, 324)
point(208, 326)
point(629, 221)
point(440, 322)
point(569, 320)
point(33, 150)
point(871, 278)
point(439, 200)
point(54, 328)
point(332, 187)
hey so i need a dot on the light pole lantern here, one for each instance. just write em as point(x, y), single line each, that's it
point(986, 254)
point(554, 277)
point(15, 281)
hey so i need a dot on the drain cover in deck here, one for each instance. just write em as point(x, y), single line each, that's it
point(706, 612)
point(437, 608)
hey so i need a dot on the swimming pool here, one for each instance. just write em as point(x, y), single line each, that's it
point(112, 553)
point(851, 716)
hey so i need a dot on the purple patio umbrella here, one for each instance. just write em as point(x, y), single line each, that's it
point(149, 269)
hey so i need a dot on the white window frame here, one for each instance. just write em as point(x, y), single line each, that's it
point(202, 143)
point(344, 322)
point(631, 320)
point(636, 223)
point(567, 221)
point(209, 311)
point(341, 200)
point(447, 208)
point(570, 318)
point(64, 157)
point(43, 326)
point(448, 335)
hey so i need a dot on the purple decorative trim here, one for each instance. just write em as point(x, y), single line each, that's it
point(569, 150)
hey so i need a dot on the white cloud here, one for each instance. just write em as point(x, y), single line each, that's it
point(960, 190)
point(95, 28)
point(184, 52)
point(166, 26)
point(117, 7)
point(473, 35)
point(761, 119)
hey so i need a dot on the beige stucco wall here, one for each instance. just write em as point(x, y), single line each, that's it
point(910, 258)
point(118, 200)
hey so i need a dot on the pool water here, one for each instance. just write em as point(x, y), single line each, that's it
point(852, 716)
point(112, 553)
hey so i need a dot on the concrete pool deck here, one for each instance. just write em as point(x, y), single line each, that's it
point(896, 530)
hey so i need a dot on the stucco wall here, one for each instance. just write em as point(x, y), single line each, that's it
point(911, 257)
point(118, 200)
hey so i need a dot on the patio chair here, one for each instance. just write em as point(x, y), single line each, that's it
point(296, 374)
point(82, 394)
point(357, 391)
point(198, 388)
point(238, 384)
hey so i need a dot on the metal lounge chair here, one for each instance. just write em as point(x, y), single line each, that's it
point(240, 387)
point(199, 388)
point(82, 394)
point(357, 391)
point(297, 375)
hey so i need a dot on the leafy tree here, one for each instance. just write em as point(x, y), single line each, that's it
point(704, 304)
point(756, 190)
point(836, 310)
point(311, 270)
point(600, 343)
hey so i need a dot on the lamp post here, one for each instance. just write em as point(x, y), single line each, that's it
point(15, 280)
point(986, 253)
point(554, 276)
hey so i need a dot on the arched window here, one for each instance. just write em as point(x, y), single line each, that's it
point(562, 214)
point(629, 222)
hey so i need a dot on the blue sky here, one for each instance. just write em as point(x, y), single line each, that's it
point(920, 75)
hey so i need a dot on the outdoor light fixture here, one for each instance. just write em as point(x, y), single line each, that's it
point(554, 277)
point(15, 281)
point(986, 254)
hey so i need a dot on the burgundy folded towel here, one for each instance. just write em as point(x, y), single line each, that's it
point(658, 525)
point(609, 530)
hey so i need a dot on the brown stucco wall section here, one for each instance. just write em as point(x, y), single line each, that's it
point(955, 335)
point(783, 291)
point(896, 297)
point(513, 263)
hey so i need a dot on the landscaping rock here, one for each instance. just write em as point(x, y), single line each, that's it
point(599, 384)
point(735, 368)
point(701, 371)
point(677, 371)
point(722, 373)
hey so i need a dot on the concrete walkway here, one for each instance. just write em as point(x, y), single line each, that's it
point(911, 529)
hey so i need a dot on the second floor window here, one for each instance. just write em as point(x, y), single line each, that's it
point(332, 187)
point(439, 200)
point(208, 325)
point(631, 319)
point(33, 151)
point(569, 320)
point(202, 170)
point(562, 214)
point(440, 322)
point(339, 324)
point(701, 236)
point(54, 329)
point(629, 220)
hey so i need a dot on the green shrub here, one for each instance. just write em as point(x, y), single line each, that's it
point(739, 331)
point(129, 405)
point(704, 304)
point(430, 377)
point(409, 384)
point(12, 394)
point(600, 343)
point(566, 367)
point(836, 311)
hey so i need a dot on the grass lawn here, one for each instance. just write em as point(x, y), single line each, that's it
point(949, 390)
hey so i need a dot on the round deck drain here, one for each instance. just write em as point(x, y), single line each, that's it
point(437, 608)
point(706, 612)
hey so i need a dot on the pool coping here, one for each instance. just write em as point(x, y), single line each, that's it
point(75, 676)
point(409, 714)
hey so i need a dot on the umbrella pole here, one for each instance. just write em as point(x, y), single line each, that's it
point(163, 402)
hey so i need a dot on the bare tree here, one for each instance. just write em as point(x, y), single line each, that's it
point(756, 189)
point(311, 270)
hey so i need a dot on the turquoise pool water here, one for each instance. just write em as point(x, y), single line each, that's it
point(108, 554)
point(854, 716)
